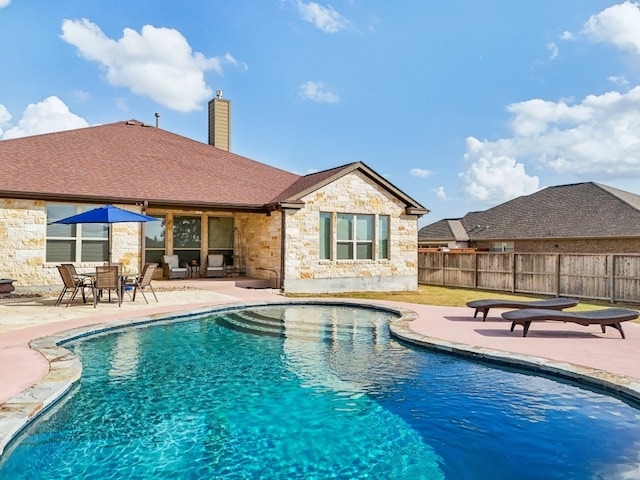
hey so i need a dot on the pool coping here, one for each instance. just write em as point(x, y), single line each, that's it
point(65, 369)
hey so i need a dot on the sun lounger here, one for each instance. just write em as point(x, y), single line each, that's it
point(549, 303)
point(606, 317)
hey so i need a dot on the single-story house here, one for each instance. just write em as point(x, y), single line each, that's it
point(579, 218)
point(343, 229)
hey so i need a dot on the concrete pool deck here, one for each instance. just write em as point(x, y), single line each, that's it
point(570, 350)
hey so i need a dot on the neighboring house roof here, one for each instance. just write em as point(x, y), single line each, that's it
point(581, 210)
point(131, 162)
point(446, 230)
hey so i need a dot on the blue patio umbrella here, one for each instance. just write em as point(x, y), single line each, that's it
point(107, 214)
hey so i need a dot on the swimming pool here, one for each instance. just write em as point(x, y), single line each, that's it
point(321, 392)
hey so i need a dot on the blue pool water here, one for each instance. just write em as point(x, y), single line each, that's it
point(329, 394)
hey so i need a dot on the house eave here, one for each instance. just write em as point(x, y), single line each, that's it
point(284, 206)
point(416, 211)
point(153, 204)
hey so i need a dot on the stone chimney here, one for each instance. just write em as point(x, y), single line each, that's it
point(220, 122)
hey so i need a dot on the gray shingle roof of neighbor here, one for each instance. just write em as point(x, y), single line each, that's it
point(131, 162)
point(447, 230)
point(581, 210)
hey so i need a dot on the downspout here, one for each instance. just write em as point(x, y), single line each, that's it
point(283, 231)
point(143, 234)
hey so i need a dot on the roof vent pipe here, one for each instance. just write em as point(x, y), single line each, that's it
point(157, 119)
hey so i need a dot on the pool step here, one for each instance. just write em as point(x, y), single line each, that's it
point(258, 323)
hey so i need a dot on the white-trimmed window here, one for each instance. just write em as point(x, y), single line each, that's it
point(347, 236)
point(383, 236)
point(326, 235)
point(502, 247)
point(82, 242)
point(354, 237)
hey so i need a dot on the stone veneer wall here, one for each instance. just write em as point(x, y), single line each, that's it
point(354, 194)
point(259, 239)
point(23, 232)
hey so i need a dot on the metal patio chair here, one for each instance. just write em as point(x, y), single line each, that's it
point(107, 278)
point(72, 284)
point(142, 281)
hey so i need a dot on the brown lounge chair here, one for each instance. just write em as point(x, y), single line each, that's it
point(549, 303)
point(606, 317)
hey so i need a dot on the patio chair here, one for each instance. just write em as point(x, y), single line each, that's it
point(120, 266)
point(172, 268)
point(107, 278)
point(78, 276)
point(72, 284)
point(216, 266)
point(143, 281)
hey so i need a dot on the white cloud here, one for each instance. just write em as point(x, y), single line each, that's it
point(228, 58)
point(620, 80)
point(4, 3)
point(440, 193)
point(5, 116)
point(493, 176)
point(566, 35)
point(317, 92)
point(535, 116)
point(326, 18)
point(553, 50)
point(420, 172)
point(598, 137)
point(618, 25)
point(157, 62)
point(50, 115)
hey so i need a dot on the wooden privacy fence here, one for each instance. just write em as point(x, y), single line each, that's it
point(613, 277)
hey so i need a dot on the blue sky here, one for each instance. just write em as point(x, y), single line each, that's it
point(461, 104)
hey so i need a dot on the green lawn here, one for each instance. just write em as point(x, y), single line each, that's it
point(457, 297)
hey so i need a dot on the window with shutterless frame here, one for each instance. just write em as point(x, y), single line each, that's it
point(354, 236)
point(349, 236)
point(82, 242)
point(155, 234)
point(326, 235)
point(383, 236)
point(221, 237)
point(187, 237)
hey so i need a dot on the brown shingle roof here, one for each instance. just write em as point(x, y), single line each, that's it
point(130, 162)
point(309, 183)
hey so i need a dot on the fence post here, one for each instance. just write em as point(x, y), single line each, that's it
point(475, 270)
point(612, 278)
point(513, 272)
point(557, 275)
